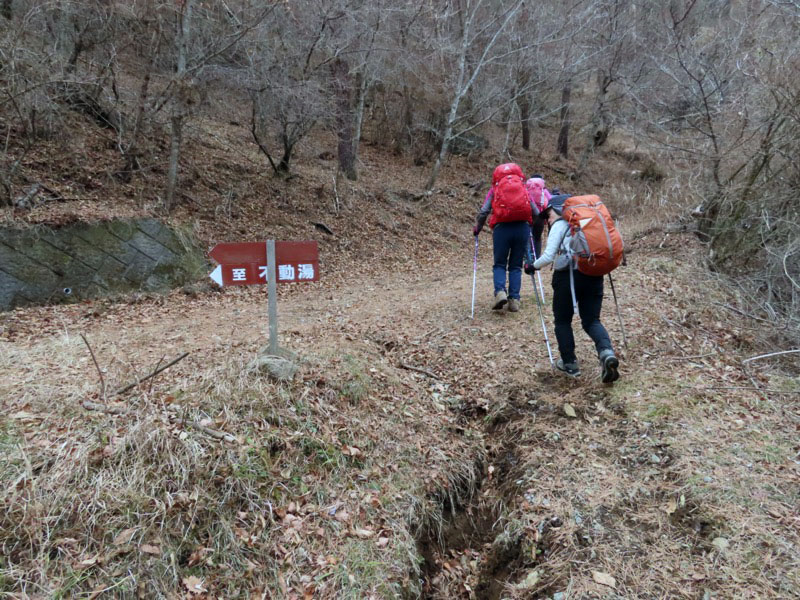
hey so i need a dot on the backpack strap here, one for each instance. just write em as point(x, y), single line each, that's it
point(571, 268)
point(563, 237)
point(572, 288)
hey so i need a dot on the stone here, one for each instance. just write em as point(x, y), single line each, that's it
point(276, 367)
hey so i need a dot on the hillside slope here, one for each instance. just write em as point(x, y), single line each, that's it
point(417, 452)
point(411, 433)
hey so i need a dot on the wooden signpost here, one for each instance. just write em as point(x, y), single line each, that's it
point(270, 262)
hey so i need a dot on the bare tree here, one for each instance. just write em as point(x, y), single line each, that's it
point(203, 34)
point(183, 97)
point(286, 82)
point(562, 145)
point(611, 53)
point(40, 78)
point(345, 126)
point(725, 101)
point(468, 49)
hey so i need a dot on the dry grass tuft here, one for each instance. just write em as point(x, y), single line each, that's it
point(320, 490)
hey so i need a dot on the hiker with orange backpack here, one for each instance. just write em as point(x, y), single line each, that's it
point(585, 245)
point(510, 214)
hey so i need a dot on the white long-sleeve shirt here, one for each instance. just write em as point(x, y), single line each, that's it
point(558, 239)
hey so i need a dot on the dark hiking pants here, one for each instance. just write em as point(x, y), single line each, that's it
point(589, 293)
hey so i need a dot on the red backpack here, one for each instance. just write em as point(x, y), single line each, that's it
point(596, 243)
point(510, 200)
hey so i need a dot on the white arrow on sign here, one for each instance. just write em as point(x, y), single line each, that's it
point(216, 275)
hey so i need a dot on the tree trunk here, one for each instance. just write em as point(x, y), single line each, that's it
point(179, 108)
point(600, 126)
point(437, 166)
point(451, 119)
point(509, 127)
point(254, 128)
point(404, 139)
point(360, 102)
point(563, 135)
point(130, 153)
point(288, 146)
point(175, 141)
point(342, 85)
point(525, 120)
point(5, 9)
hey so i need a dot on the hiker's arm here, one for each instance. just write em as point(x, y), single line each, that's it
point(483, 214)
point(554, 239)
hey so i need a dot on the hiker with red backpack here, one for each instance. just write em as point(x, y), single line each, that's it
point(510, 214)
point(585, 245)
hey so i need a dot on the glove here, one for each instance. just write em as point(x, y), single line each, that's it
point(528, 268)
point(475, 230)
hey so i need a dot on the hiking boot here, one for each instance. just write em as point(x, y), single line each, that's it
point(609, 364)
point(570, 369)
point(513, 305)
point(500, 300)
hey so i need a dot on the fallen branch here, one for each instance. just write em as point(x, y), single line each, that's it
point(741, 312)
point(27, 200)
point(418, 370)
point(130, 386)
point(694, 356)
point(760, 356)
point(111, 410)
point(99, 371)
point(219, 435)
point(742, 387)
point(150, 387)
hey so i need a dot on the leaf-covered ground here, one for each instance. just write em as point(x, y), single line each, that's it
point(417, 452)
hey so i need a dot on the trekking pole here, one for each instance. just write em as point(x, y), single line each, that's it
point(474, 276)
point(539, 304)
point(619, 315)
point(538, 275)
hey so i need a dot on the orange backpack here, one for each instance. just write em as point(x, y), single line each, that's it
point(596, 243)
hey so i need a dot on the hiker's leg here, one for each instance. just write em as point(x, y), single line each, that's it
point(562, 315)
point(519, 241)
point(538, 228)
point(502, 247)
point(589, 291)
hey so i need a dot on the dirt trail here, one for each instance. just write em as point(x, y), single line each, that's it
point(433, 300)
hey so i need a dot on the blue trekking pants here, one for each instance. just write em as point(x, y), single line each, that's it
point(510, 241)
point(589, 294)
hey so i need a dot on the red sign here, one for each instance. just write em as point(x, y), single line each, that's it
point(245, 263)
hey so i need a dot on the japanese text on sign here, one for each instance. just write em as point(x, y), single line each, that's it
point(244, 263)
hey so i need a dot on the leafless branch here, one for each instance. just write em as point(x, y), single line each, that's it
point(419, 370)
point(99, 370)
point(130, 386)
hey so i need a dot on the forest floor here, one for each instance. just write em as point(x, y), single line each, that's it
point(411, 432)
point(417, 452)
